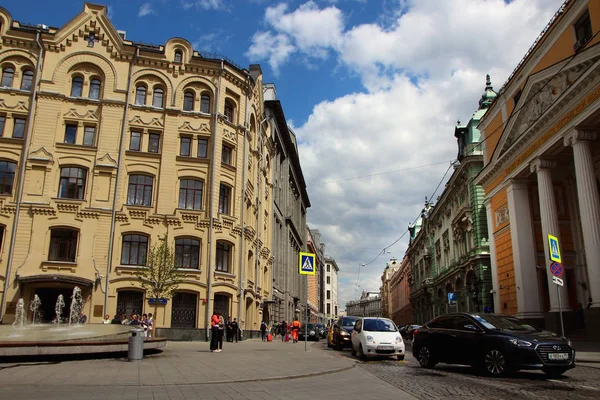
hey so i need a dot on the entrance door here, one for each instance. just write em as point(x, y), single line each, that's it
point(183, 312)
point(221, 305)
point(48, 297)
point(129, 302)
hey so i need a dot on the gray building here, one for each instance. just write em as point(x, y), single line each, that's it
point(290, 201)
point(369, 305)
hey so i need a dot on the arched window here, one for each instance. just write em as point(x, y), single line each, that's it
point(72, 183)
point(27, 80)
point(95, 86)
point(140, 95)
point(134, 250)
point(190, 194)
point(77, 86)
point(187, 253)
point(178, 56)
point(139, 191)
point(7, 176)
point(157, 97)
point(223, 256)
point(8, 74)
point(188, 101)
point(205, 103)
point(63, 245)
point(228, 111)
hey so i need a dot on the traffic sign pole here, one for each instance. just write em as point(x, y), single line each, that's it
point(562, 327)
point(557, 269)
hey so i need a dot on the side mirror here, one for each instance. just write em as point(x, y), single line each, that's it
point(471, 327)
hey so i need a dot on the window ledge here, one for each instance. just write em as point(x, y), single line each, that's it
point(193, 159)
point(83, 99)
point(68, 200)
point(224, 274)
point(11, 140)
point(15, 90)
point(75, 146)
point(49, 264)
point(137, 207)
point(191, 211)
point(196, 270)
point(228, 166)
point(147, 107)
point(142, 154)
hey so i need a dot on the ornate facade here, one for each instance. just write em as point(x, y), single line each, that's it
point(448, 250)
point(369, 305)
point(106, 146)
point(542, 175)
point(401, 306)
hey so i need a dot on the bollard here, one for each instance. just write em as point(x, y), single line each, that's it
point(135, 348)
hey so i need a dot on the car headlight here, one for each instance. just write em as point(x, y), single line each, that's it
point(569, 343)
point(312, 333)
point(344, 333)
point(398, 339)
point(371, 339)
point(520, 343)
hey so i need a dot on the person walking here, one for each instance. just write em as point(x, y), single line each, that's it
point(283, 330)
point(234, 330)
point(295, 330)
point(221, 331)
point(214, 332)
point(263, 330)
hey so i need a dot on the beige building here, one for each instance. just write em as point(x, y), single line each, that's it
point(107, 145)
point(386, 287)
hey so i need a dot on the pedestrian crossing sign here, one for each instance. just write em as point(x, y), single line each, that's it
point(306, 264)
point(554, 248)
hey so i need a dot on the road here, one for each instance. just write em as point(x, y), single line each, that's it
point(454, 382)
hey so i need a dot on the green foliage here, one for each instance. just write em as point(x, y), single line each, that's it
point(160, 277)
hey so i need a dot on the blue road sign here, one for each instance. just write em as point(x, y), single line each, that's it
point(306, 264)
point(554, 248)
point(451, 298)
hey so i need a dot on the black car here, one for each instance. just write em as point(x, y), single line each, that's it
point(407, 331)
point(322, 330)
point(342, 332)
point(496, 343)
point(310, 330)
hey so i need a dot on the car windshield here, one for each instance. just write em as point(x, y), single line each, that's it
point(348, 321)
point(379, 325)
point(504, 323)
point(310, 326)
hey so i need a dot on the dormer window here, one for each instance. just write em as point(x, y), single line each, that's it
point(178, 56)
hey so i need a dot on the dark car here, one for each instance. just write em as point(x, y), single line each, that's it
point(322, 330)
point(310, 330)
point(407, 331)
point(342, 332)
point(496, 343)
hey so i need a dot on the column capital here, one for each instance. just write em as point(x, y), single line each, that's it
point(579, 134)
point(540, 164)
point(517, 184)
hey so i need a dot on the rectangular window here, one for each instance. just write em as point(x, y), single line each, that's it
point(583, 30)
point(139, 191)
point(190, 194)
point(328, 268)
point(72, 183)
point(224, 195)
point(328, 308)
point(63, 245)
point(185, 146)
point(329, 295)
point(135, 248)
point(202, 148)
point(19, 128)
point(187, 253)
point(135, 141)
point(223, 250)
point(2, 122)
point(329, 280)
point(226, 155)
point(7, 176)
point(70, 133)
point(153, 142)
point(89, 135)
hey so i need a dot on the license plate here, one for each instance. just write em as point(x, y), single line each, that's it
point(558, 356)
point(385, 348)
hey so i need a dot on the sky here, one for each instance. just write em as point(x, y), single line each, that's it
point(372, 90)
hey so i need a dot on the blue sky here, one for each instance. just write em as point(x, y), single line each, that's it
point(373, 90)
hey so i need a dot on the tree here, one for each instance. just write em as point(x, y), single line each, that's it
point(159, 277)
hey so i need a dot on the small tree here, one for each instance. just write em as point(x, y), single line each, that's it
point(159, 277)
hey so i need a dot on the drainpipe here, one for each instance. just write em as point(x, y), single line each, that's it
point(243, 239)
point(113, 218)
point(23, 162)
point(211, 206)
point(258, 202)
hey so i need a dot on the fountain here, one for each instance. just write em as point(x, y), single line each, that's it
point(76, 306)
point(34, 305)
point(60, 304)
point(20, 315)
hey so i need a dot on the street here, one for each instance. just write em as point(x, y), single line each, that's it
point(452, 381)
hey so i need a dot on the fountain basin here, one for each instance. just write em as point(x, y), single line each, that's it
point(50, 339)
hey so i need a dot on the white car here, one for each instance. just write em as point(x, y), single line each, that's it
point(377, 337)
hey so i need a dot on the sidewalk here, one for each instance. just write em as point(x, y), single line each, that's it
point(587, 352)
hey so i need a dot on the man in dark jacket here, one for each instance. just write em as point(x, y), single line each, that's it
point(283, 329)
point(116, 320)
point(234, 330)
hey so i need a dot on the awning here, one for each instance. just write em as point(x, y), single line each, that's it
point(76, 280)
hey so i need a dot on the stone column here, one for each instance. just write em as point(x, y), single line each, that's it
point(550, 225)
point(523, 249)
point(493, 260)
point(589, 206)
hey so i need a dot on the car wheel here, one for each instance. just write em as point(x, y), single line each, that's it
point(555, 372)
point(401, 357)
point(495, 363)
point(361, 353)
point(425, 357)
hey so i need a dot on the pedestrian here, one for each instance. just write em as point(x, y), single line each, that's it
point(116, 320)
point(214, 333)
point(106, 320)
point(221, 331)
point(275, 329)
point(295, 330)
point(144, 325)
point(150, 323)
point(234, 330)
point(135, 321)
point(124, 320)
point(283, 330)
point(263, 330)
point(228, 331)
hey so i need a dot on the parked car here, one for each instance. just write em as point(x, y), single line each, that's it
point(311, 330)
point(493, 342)
point(407, 331)
point(376, 337)
point(322, 330)
point(342, 332)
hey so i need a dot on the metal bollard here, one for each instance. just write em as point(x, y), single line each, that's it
point(135, 348)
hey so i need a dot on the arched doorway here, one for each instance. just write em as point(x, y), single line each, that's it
point(183, 310)
point(130, 302)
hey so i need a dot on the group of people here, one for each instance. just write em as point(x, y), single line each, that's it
point(284, 329)
point(219, 328)
point(145, 321)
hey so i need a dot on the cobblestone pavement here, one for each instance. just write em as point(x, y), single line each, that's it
point(458, 382)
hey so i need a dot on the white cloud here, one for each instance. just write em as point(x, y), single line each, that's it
point(423, 66)
point(145, 9)
point(204, 4)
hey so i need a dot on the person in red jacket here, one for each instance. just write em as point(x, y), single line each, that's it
point(214, 332)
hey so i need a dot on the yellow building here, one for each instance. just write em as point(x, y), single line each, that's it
point(542, 175)
point(107, 145)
